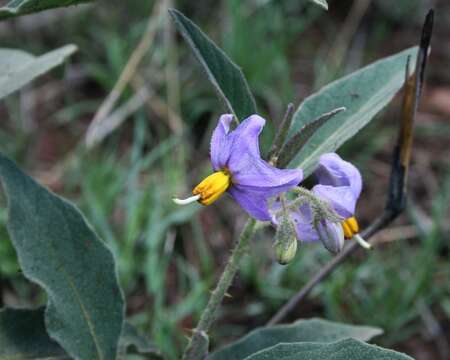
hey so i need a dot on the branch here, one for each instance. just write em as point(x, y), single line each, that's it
point(198, 344)
point(399, 172)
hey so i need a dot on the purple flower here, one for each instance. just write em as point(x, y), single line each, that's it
point(340, 185)
point(240, 171)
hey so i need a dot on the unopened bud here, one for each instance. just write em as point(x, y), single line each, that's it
point(285, 241)
point(331, 235)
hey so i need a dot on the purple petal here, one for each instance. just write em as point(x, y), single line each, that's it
point(245, 163)
point(342, 198)
point(258, 175)
point(245, 141)
point(254, 203)
point(302, 219)
point(253, 197)
point(220, 144)
point(334, 171)
point(303, 224)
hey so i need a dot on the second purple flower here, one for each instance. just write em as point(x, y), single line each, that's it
point(339, 186)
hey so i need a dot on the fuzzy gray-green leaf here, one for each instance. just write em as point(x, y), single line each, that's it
point(23, 336)
point(17, 67)
point(22, 7)
point(226, 77)
point(313, 330)
point(348, 349)
point(363, 93)
point(58, 250)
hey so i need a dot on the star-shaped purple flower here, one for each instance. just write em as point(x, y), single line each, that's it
point(240, 170)
point(253, 180)
point(340, 185)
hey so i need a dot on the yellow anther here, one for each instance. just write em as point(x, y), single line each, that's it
point(212, 187)
point(351, 227)
point(347, 231)
point(353, 224)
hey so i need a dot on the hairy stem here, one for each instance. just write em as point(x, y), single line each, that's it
point(209, 314)
point(321, 209)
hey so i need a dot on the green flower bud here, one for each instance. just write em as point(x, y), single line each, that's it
point(286, 252)
point(285, 241)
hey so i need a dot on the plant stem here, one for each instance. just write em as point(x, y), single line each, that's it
point(209, 314)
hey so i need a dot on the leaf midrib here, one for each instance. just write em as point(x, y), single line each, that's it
point(71, 283)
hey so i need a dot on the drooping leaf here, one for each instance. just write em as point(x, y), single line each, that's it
point(22, 7)
point(348, 349)
point(58, 250)
point(363, 93)
point(322, 3)
point(313, 330)
point(17, 67)
point(226, 76)
point(23, 336)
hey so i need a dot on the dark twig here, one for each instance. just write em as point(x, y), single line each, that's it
point(400, 166)
point(282, 132)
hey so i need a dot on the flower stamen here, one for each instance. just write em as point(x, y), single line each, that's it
point(351, 227)
point(351, 230)
point(212, 187)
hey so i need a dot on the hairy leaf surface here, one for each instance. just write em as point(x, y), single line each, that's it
point(58, 250)
point(226, 77)
point(313, 330)
point(363, 93)
point(17, 68)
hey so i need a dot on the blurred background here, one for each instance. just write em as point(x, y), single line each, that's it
point(156, 141)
